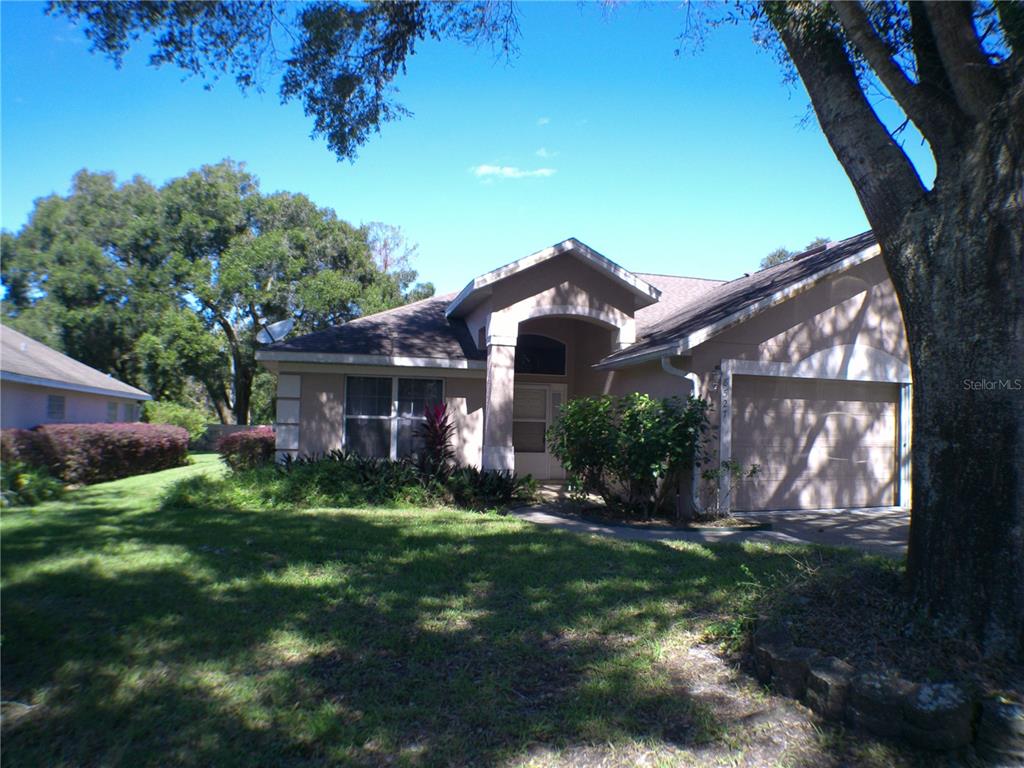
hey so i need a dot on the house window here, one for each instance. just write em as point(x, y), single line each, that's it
point(539, 354)
point(55, 407)
point(128, 412)
point(111, 412)
point(383, 412)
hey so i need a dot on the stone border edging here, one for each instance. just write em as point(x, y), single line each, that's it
point(934, 716)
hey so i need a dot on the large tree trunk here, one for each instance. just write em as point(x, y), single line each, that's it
point(956, 258)
point(957, 262)
point(243, 392)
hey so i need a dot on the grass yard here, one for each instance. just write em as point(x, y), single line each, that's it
point(142, 633)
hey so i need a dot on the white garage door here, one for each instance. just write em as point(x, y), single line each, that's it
point(820, 444)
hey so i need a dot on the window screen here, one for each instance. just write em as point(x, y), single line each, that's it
point(368, 396)
point(368, 416)
point(414, 397)
point(371, 419)
point(55, 407)
point(540, 354)
point(111, 412)
point(529, 414)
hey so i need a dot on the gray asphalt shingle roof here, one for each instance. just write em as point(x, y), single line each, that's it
point(419, 329)
point(23, 356)
point(687, 304)
point(736, 295)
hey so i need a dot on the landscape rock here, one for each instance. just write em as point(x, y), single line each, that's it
point(790, 668)
point(764, 653)
point(828, 685)
point(877, 702)
point(938, 716)
point(1001, 732)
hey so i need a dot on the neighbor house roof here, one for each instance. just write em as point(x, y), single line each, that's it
point(27, 361)
point(418, 331)
point(690, 309)
point(712, 311)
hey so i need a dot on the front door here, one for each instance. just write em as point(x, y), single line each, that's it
point(534, 409)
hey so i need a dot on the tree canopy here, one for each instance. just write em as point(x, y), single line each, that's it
point(782, 254)
point(149, 283)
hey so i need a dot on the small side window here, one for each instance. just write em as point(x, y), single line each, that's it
point(111, 412)
point(55, 407)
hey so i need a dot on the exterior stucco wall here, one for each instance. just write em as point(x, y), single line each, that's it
point(23, 406)
point(465, 398)
point(557, 273)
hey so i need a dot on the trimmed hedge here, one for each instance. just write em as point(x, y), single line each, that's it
point(247, 450)
point(94, 453)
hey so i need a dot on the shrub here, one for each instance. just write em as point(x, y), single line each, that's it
point(630, 450)
point(340, 478)
point(248, 449)
point(22, 485)
point(437, 455)
point(485, 489)
point(193, 420)
point(94, 453)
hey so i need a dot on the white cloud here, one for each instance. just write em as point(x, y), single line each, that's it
point(545, 152)
point(543, 120)
point(509, 172)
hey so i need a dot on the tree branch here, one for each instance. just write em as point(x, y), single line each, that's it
point(931, 114)
point(976, 83)
point(882, 176)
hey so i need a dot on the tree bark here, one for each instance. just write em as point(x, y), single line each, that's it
point(957, 263)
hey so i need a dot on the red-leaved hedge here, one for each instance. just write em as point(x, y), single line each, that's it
point(94, 453)
point(248, 449)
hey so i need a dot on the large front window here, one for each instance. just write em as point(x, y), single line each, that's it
point(382, 413)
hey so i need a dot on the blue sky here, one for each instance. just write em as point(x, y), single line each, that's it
point(696, 164)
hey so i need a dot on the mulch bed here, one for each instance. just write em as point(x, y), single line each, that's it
point(858, 611)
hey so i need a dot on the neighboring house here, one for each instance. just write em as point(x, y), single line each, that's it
point(805, 364)
point(39, 385)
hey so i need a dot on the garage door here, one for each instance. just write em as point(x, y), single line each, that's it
point(820, 444)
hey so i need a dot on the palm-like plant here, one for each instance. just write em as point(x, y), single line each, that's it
point(437, 457)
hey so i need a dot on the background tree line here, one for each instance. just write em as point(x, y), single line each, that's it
point(166, 287)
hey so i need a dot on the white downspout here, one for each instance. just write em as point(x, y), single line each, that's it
point(694, 379)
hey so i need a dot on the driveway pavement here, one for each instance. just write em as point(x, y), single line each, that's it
point(882, 532)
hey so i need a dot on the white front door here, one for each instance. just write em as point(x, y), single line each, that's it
point(534, 410)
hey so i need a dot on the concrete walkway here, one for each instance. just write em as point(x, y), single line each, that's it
point(882, 532)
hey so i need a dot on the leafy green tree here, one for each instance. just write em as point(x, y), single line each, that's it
point(782, 255)
point(955, 252)
point(164, 287)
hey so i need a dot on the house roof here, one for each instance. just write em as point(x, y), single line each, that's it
point(690, 310)
point(481, 287)
point(27, 361)
point(676, 293)
point(418, 330)
point(713, 311)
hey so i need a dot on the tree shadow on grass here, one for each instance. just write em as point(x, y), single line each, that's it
point(220, 636)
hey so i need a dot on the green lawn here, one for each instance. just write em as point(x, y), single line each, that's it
point(136, 635)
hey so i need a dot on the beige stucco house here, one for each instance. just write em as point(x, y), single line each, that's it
point(805, 364)
point(39, 385)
